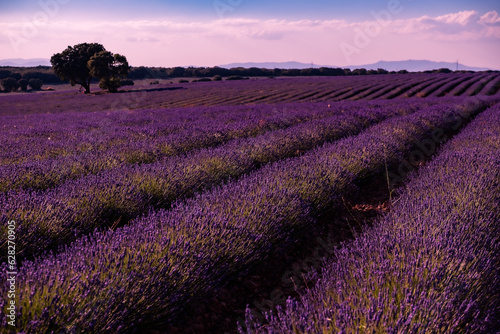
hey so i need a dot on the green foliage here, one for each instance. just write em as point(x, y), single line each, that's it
point(443, 70)
point(108, 68)
point(36, 84)
point(4, 74)
point(71, 64)
point(10, 85)
point(202, 80)
point(359, 71)
point(126, 82)
point(110, 84)
point(46, 77)
point(23, 84)
point(236, 77)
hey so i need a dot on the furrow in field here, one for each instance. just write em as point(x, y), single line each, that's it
point(478, 85)
point(450, 85)
point(374, 90)
point(462, 87)
point(492, 87)
point(400, 91)
point(418, 88)
point(435, 87)
point(388, 88)
point(355, 90)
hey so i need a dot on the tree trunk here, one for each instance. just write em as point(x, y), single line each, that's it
point(87, 88)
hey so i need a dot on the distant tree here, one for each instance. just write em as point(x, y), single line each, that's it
point(255, 72)
point(23, 84)
point(45, 77)
point(108, 68)
point(443, 70)
point(217, 78)
point(10, 85)
point(213, 71)
point(293, 72)
point(328, 71)
point(277, 71)
point(71, 64)
point(4, 74)
point(236, 77)
point(359, 71)
point(382, 71)
point(403, 72)
point(310, 71)
point(141, 72)
point(36, 84)
point(126, 82)
point(177, 72)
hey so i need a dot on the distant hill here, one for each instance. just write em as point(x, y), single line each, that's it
point(417, 66)
point(409, 65)
point(19, 62)
point(270, 65)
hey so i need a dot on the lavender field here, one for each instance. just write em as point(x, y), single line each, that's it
point(180, 208)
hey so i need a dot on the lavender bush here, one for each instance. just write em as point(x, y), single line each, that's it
point(116, 195)
point(430, 265)
point(142, 274)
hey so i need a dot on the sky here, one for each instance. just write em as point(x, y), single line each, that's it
point(217, 32)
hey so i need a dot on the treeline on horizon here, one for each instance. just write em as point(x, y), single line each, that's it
point(47, 75)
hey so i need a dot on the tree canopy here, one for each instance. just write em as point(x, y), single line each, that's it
point(80, 63)
point(108, 68)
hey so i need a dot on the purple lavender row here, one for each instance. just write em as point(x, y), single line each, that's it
point(52, 149)
point(113, 197)
point(430, 265)
point(143, 273)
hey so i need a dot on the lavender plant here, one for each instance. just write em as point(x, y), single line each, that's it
point(114, 281)
point(430, 265)
point(114, 196)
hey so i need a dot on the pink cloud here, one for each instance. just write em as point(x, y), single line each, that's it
point(216, 42)
point(490, 19)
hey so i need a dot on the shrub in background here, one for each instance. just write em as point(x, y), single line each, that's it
point(202, 80)
point(236, 77)
point(36, 84)
point(127, 82)
point(10, 85)
point(23, 84)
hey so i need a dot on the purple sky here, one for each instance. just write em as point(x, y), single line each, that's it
point(216, 32)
